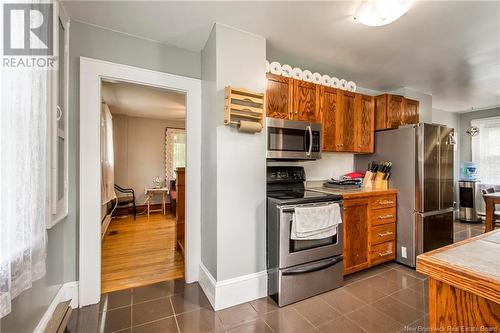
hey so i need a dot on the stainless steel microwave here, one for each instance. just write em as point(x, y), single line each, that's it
point(293, 140)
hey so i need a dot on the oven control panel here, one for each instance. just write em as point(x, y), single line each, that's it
point(285, 174)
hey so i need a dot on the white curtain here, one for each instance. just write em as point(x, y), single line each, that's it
point(107, 156)
point(175, 152)
point(23, 180)
point(486, 150)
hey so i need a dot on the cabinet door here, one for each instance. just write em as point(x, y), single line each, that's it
point(381, 112)
point(411, 115)
point(344, 131)
point(305, 104)
point(278, 97)
point(364, 124)
point(355, 223)
point(328, 111)
point(394, 111)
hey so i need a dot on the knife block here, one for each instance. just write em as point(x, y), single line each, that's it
point(382, 184)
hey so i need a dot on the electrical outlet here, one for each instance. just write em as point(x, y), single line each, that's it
point(403, 252)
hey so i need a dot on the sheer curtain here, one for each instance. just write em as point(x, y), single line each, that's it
point(23, 180)
point(486, 150)
point(107, 156)
point(175, 152)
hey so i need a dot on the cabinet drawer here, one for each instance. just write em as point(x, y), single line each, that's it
point(383, 252)
point(385, 201)
point(383, 216)
point(383, 233)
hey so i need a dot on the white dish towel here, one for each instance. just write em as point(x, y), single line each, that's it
point(316, 222)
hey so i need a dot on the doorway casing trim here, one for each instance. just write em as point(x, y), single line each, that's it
point(91, 73)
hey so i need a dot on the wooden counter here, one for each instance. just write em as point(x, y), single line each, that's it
point(356, 193)
point(369, 222)
point(464, 284)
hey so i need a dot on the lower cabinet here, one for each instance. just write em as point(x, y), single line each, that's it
point(369, 231)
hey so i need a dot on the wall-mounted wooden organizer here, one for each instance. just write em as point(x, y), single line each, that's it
point(244, 109)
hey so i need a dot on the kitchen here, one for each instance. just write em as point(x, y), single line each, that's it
point(372, 284)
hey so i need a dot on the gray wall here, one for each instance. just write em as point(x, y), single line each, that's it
point(465, 118)
point(209, 155)
point(93, 42)
point(241, 160)
point(139, 152)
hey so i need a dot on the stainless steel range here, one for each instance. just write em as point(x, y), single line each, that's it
point(298, 269)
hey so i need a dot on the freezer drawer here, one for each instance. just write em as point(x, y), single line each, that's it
point(434, 230)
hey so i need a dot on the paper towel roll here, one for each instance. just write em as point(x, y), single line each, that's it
point(351, 86)
point(267, 66)
point(307, 76)
point(286, 71)
point(334, 82)
point(316, 78)
point(343, 84)
point(297, 73)
point(275, 68)
point(249, 126)
point(325, 80)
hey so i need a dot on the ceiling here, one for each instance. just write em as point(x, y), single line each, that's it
point(448, 49)
point(136, 100)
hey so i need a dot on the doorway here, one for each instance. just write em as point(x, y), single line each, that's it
point(92, 73)
point(143, 163)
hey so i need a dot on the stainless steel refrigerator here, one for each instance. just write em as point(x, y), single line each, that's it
point(422, 172)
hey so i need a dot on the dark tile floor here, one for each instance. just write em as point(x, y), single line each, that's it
point(383, 299)
point(386, 298)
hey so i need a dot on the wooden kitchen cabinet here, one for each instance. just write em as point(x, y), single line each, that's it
point(328, 111)
point(369, 223)
point(344, 130)
point(410, 113)
point(356, 245)
point(392, 111)
point(305, 101)
point(364, 124)
point(279, 97)
point(347, 118)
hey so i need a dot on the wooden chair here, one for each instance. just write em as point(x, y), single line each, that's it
point(126, 200)
point(496, 213)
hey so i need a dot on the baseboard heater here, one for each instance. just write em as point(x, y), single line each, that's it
point(60, 318)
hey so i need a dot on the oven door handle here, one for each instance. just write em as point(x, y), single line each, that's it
point(310, 133)
point(313, 268)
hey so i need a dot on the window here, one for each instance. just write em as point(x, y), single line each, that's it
point(486, 150)
point(58, 120)
point(175, 152)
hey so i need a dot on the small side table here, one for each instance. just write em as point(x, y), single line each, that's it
point(151, 192)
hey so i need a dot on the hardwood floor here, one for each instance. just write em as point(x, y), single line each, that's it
point(140, 252)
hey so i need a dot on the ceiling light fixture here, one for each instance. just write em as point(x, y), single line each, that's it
point(375, 13)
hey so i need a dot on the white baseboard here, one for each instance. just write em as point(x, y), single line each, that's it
point(230, 292)
point(68, 291)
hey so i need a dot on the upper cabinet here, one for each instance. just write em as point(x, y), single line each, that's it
point(364, 123)
point(347, 118)
point(279, 97)
point(392, 111)
point(328, 110)
point(305, 105)
point(345, 131)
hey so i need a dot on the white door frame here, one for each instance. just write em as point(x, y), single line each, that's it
point(91, 73)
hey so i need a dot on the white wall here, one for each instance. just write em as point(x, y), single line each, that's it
point(139, 150)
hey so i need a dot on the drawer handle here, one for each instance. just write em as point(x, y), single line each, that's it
point(385, 202)
point(383, 234)
point(383, 217)
point(385, 253)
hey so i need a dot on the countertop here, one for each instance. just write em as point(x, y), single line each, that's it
point(472, 265)
point(354, 193)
